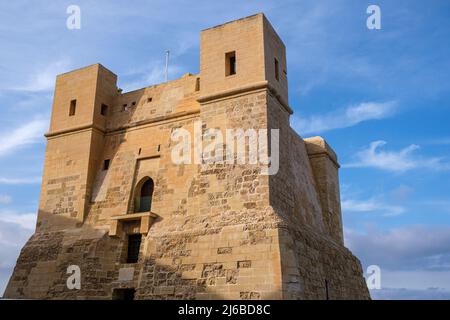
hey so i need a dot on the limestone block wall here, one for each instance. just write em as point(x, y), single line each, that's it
point(305, 195)
point(64, 187)
point(41, 270)
point(222, 231)
point(325, 170)
point(155, 102)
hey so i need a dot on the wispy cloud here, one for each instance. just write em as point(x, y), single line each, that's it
point(441, 141)
point(19, 181)
point(344, 118)
point(24, 220)
point(153, 74)
point(371, 205)
point(43, 79)
point(401, 193)
point(397, 161)
point(28, 133)
point(15, 229)
point(411, 247)
point(5, 199)
point(412, 294)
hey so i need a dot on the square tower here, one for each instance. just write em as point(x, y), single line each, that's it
point(142, 226)
point(242, 54)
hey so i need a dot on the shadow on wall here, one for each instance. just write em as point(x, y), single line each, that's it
point(41, 269)
point(109, 153)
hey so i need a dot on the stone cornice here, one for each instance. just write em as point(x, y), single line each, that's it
point(245, 89)
point(134, 125)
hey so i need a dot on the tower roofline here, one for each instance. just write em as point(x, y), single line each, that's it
point(236, 20)
point(86, 67)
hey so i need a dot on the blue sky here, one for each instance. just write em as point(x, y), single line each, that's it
point(380, 98)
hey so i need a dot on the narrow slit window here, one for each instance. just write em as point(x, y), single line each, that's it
point(73, 107)
point(277, 70)
point(197, 84)
point(106, 163)
point(230, 63)
point(104, 110)
point(134, 245)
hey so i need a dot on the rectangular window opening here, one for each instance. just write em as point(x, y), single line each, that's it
point(197, 84)
point(230, 63)
point(134, 244)
point(104, 110)
point(106, 164)
point(73, 107)
point(123, 294)
point(277, 71)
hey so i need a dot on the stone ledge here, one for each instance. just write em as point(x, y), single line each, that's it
point(244, 89)
point(145, 217)
point(135, 125)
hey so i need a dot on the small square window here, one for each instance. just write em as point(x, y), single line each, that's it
point(230, 63)
point(149, 99)
point(104, 110)
point(106, 163)
point(133, 103)
point(73, 107)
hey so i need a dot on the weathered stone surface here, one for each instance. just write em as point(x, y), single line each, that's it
point(217, 231)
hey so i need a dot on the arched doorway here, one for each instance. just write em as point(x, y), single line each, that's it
point(144, 194)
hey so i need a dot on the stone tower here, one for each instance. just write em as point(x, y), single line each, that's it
point(138, 224)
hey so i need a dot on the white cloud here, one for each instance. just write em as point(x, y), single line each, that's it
point(28, 133)
point(412, 294)
point(153, 74)
point(5, 199)
point(416, 279)
point(441, 141)
point(15, 230)
point(401, 193)
point(399, 161)
point(371, 205)
point(344, 118)
point(19, 181)
point(407, 248)
point(24, 220)
point(44, 78)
